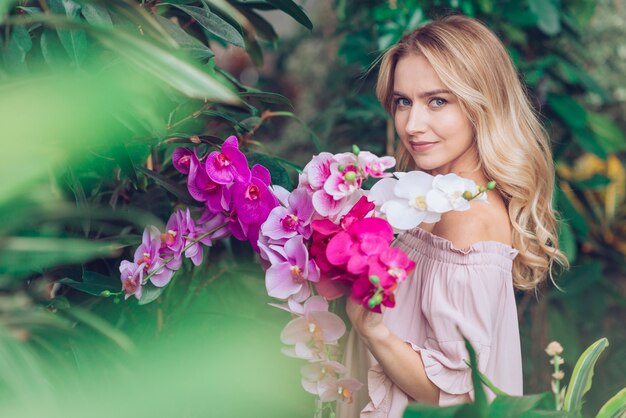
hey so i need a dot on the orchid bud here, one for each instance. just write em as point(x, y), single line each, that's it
point(341, 167)
point(482, 189)
point(355, 150)
point(491, 185)
point(105, 293)
point(467, 195)
point(375, 280)
point(350, 176)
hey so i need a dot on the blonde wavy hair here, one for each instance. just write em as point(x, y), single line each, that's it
point(513, 147)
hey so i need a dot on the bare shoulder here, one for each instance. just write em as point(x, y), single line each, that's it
point(482, 222)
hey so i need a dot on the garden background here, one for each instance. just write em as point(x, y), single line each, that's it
point(95, 96)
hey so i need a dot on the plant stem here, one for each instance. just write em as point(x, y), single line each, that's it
point(557, 383)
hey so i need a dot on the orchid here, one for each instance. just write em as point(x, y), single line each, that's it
point(331, 389)
point(202, 188)
point(148, 255)
point(288, 277)
point(317, 371)
point(131, 275)
point(315, 328)
point(286, 222)
point(448, 193)
point(228, 165)
point(374, 166)
point(253, 199)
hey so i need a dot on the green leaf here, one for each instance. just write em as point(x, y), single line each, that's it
point(582, 375)
point(5, 6)
point(266, 97)
point(598, 181)
point(480, 405)
point(579, 279)
point(52, 51)
point(279, 175)
point(19, 46)
point(214, 24)
point(567, 241)
point(102, 326)
point(614, 407)
point(514, 406)
point(93, 283)
point(261, 26)
point(176, 189)
point(150, 293)
point(74, 41)
point(609, 135)
point(96, 14)
point(548, 16)
point(589, 142)
point(196, 49)
point(293, 10)
point(424, 411)
point(573, 114)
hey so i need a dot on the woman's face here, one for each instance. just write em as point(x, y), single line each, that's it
point(429, 119)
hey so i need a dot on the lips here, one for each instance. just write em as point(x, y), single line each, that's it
point(422, 145)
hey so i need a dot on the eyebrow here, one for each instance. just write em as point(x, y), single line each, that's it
point(426, 93)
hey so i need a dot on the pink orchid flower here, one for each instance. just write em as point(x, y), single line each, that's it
point(315, 173)
point(363, 238)
point(295, 219)
point(228, 165)
point(291, 271)
point(148, 254)
point(316, 371)
point(331, 389)
point(315, 328)
point(131, 275)
point(374, 166)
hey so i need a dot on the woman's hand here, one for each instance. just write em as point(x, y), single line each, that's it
point(368, 324)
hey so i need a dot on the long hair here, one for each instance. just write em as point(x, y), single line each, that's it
point(512, 145)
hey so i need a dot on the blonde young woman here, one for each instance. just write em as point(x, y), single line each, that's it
point(458, 107)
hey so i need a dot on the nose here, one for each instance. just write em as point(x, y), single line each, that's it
point(417, 120)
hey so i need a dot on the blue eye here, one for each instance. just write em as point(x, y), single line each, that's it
point(402, 102)
point(438, 102)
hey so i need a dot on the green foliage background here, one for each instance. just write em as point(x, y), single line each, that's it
point(94, 97)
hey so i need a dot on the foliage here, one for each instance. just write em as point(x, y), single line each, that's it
point(528, 406)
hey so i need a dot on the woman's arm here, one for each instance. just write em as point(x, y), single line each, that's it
point(401, 363)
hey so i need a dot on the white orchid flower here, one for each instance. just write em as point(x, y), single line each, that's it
point(447, 193)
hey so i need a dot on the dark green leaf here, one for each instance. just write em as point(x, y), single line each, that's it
point(262, 26)
point(598, 181)
point(214, 24)
point(548, 16)
point(93, 283)
point(571, 215)
point(19, 46)
point(293, 10)
point(514, 406)
point(579, 279)
point(74, 41)
point(567, 241)
point(425, 411)
point(280, 176)
point(588, 141)
point(267, 97)
point(149, 293)
point(568, 110)
point(176, 189)
point(480, 406)
point(96, 14)
point(52, 51)
point(608, 134)
point(196, 48)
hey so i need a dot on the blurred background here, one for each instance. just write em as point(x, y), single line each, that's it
point(95, 96)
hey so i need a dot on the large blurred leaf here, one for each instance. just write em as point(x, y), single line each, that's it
point(20, 44)
point(93, 283)
point(607, 132)
point(96, 14)
point(548, 16)
point(515, 406)
point(614, 407)
point(20, 255)
point(5, 6)
point(568, 110)
point(189, 43)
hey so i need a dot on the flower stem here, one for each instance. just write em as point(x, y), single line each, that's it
point(557, 383)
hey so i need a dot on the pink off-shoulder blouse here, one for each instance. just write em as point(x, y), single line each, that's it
point(450, 290)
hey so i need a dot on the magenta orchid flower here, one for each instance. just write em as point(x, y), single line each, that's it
point(229, 164)
point(203, 189)
point(148, 254)
point(315, 328)
point(181, 158)
point(291, 271)
point(253, 200)
point(286, 222)
point(131, 275)
point(353, 248)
